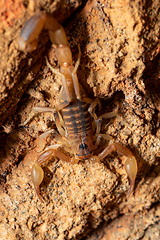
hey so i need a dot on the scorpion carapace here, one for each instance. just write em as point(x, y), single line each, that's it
point(74, 116)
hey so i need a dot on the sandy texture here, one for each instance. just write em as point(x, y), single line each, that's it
point(119, 64)
point(143, 225)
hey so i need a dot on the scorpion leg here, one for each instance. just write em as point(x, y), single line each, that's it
point(98, 136)
point(74, 75)
point(64, 82)
point(59, 138)
point(92, 107)
point(103, 116)
point(36, 110)
point(98, 121)
point(59, 124)
point(130, 163)
point(42, 136)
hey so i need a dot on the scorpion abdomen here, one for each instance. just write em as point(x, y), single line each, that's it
point(78, 124)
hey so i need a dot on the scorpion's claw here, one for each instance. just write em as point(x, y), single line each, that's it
point(37, 176)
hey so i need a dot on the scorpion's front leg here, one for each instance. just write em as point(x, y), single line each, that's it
point(130, 164)
point(37, 173)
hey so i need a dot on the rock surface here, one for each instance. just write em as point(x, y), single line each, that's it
point(119, 65)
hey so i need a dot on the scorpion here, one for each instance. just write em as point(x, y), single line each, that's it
point(75, 114)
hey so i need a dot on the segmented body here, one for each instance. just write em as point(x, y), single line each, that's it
point(78, 124)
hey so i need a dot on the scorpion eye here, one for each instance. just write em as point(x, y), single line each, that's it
point(83, 146)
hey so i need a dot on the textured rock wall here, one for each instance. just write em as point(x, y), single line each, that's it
point(120, 65)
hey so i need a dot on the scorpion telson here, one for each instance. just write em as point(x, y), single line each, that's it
point(74, 108)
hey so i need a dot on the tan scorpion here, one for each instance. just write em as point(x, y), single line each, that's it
point(75, 114)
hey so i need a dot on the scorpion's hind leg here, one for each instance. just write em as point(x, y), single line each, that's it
point(74, 75)
point(98, 121)
point(36, 110)
point(64, 83)
point(130, 164)
point(42, 136)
